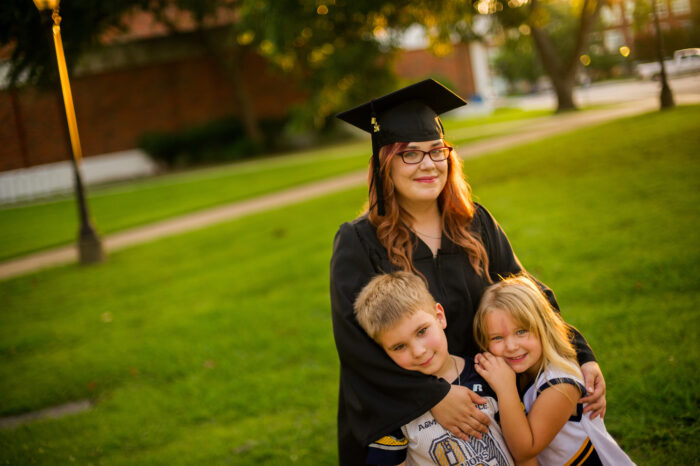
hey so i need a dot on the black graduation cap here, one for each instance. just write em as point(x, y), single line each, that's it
point(407, 115)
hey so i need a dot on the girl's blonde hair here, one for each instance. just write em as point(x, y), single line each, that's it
point(456, 207)
point(523, 300)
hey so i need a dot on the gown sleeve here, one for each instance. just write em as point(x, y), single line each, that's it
point(503, 262)
point(378, 396)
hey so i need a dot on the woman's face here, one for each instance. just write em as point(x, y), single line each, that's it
point(418, 183)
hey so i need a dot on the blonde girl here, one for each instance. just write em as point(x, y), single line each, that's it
point(528, 351)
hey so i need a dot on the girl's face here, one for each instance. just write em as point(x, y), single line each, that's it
point(421, 182)
point(521, 348)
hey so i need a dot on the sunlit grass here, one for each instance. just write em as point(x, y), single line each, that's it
point(499, 115)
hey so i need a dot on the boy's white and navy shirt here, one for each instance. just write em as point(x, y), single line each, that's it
point(424, 441)
point(582, 441)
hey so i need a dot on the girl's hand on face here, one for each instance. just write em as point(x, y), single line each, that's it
point(594, 400)
point(458, 414)
point(495, 370)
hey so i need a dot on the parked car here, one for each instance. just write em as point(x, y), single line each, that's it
point(684, 61)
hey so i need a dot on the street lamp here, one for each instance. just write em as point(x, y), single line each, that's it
point(666, 96)
point(89, 244)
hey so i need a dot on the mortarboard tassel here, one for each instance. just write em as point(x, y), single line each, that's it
point(376, 175)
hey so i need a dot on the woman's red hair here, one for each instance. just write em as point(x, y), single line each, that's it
point(456, 207)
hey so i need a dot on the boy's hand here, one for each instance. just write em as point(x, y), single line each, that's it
point(458, 414)
point(496, 371)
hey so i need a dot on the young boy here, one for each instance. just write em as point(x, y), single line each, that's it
point(398, 312)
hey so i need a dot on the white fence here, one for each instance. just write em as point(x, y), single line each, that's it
point(57, 178)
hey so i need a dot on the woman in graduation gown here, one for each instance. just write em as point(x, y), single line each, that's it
point(420, 218)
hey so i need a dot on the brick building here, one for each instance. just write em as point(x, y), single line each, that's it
point(465, 68)
point(617, 18)
point(157, 84)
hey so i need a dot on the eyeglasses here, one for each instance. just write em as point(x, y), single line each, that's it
point(414, 156)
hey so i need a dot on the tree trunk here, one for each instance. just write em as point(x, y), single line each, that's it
point(564, 88)
point(250, 120)
point(232, 67)
point(562, 73)
point(666, 96)
point(218, 43)
point(562, 79)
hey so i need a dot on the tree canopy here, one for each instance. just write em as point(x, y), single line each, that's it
point(339, 51)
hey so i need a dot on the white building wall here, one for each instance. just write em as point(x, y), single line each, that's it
point(480, 70)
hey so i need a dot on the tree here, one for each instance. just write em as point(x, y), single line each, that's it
point(560, 32)
point(341, 51)
point(516, 61)
point(85, 21)
point(217, 38)
point(333, 49)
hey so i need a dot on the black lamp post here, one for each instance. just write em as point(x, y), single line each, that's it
point(89, 244)
point(666, 96)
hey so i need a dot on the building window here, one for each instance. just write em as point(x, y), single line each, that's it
point(661, 9)
point(613, 40)
point(680, 7)
point(629, 10)
point(611, 15)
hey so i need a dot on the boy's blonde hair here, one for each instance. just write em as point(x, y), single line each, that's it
point(524, 301)
point(388, 298)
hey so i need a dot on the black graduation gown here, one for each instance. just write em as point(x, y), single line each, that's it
point(377, 396)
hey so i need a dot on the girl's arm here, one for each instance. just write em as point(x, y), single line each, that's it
point(526, 436)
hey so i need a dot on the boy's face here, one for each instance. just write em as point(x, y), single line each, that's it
point(418, 343)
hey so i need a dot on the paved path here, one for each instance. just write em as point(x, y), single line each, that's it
point(533, 130)
point(53, 412)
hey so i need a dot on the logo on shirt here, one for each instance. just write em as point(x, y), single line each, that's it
point(451, 451)
point(426, 425)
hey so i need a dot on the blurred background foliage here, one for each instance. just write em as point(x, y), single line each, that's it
point(340, 52)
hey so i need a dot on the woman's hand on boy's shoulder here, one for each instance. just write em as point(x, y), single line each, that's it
point(594, 400)
point(457, 412)
point(496, 371)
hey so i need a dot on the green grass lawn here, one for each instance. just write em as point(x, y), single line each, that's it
point(499, 115)
point(44, 225)
point(216, 346)
point(34, 227)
